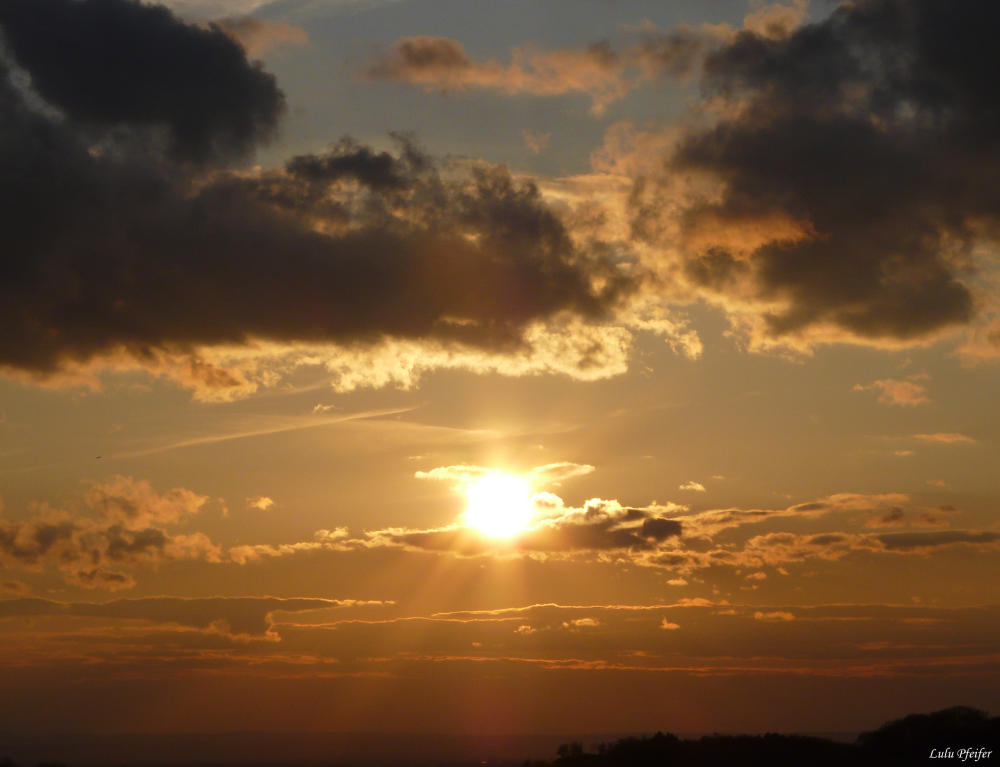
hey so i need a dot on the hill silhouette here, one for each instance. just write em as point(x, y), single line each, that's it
point(959, 734)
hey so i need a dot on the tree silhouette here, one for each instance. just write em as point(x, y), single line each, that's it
point(900, 742)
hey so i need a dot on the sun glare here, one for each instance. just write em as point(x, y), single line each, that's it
point(499, 505)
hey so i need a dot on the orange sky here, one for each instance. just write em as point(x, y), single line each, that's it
point(642, 379)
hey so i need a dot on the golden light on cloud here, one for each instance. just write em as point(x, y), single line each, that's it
point(499, 505)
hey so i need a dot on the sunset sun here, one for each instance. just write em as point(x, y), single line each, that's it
point(499, 505)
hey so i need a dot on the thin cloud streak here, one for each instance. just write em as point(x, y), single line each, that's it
point(297, 424)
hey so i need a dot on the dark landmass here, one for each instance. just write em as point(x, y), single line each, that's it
point(959, 734)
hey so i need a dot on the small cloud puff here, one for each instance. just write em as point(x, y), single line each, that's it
point(693, 486)
point(668, 626)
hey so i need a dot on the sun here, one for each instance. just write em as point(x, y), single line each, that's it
point(499, 505)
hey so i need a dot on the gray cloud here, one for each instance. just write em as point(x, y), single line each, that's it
point(117, 247)
point(113, 64)
point(855, 164)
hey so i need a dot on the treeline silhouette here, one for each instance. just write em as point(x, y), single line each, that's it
point(954, 735)
point(958, 734)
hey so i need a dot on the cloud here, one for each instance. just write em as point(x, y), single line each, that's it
point(835, 188)
point(581, 623)
point(258, 36)
point(776, 21)
point(946, 438)
point(776, 615)
point(536, 142)
point(678, 54)
point(138, 67)
point(709, 523)
point(668, 626)
point(138, 248)
point(894, 392)
point(606, 75)
point(323, 540)
point(134, 504)
point(696, 487)
point(440, 63)
point(598, 526)
point(249, 616)
point(123, 528)
point(260, 502)
point(924, 541)
point(892, 518)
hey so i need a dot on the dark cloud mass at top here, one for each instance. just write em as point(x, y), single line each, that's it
point(120, 64)
point(121, 235)
point(872, 138)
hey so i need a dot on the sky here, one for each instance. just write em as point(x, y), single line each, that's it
point(492, 368)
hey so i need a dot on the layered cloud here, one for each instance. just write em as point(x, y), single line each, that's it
point(598, 70)
point(236, 616)
point(124, 528)
point(440, 63)
point(599, 526)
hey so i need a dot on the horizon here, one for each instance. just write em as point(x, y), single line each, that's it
point(411, 366)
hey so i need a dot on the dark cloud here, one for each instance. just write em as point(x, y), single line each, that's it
point(380, 171)
point(114, 248)
point(121, 64)
point(857, 171)
point(29, 543)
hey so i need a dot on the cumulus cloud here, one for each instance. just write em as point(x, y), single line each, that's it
point(138, 247)
point(895, 392)
point(260, 502)
point(669, 626)
point(134, 66)
point(839, 188)
point(122, 528)
point(693, 486)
